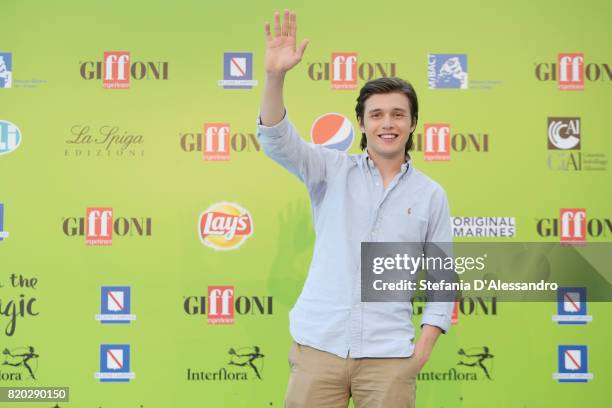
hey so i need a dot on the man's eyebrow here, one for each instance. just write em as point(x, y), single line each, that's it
point(380, 110)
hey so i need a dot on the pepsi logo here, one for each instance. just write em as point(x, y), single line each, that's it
point(334, 131)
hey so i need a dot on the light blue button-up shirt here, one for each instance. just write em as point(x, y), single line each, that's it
point(351, 205)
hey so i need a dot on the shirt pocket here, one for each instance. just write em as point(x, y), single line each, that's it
point(404, 224)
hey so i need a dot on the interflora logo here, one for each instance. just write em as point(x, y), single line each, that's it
point(117, 69)
point(225, 226)
point(570, 71)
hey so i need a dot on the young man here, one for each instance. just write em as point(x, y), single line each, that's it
point(342, 347)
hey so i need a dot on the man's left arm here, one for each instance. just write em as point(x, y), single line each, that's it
point(437, 315)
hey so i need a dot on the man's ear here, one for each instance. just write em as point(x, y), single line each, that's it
point(413, 128)
point(361, 125)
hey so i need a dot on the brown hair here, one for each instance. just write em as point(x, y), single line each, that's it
point(383, 86)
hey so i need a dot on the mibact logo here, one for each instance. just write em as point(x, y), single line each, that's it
point(344, 71)
point(10, 137)
point(447, 71)
point(6, 70)
point(225, 226)
point(98, 226)
point(573, 227)
point(570, 71)
point(334, 131)
point(117, 69)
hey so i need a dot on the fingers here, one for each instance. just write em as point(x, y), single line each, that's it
point(268, 35)
point(277, 30)
point(303, 46)
point(286, 24)
point(293, 22)
point(287, 29)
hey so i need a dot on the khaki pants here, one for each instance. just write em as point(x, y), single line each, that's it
point(323, 380)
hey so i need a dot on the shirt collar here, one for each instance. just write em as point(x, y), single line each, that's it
point(370, 163)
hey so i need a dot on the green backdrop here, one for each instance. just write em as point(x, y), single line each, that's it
point(43, 183)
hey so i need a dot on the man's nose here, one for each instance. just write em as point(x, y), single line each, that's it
point(387, 122)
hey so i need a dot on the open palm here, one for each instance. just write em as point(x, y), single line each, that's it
point(281, 51)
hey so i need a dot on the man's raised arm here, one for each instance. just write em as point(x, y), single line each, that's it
point(281, 56)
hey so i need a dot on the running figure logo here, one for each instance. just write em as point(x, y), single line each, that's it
point(16, 359)
point(247, 356)
point(476, 357)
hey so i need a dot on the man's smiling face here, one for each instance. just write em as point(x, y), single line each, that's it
point(387, 124)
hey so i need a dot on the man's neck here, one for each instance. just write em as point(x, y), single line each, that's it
point(388, 167)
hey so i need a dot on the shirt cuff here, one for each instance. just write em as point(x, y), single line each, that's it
point(441, 322)
point(277, 130)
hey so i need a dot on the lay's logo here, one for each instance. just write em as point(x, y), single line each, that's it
point(225, 226)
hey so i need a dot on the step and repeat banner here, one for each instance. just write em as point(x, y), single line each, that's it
point(150, 252)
